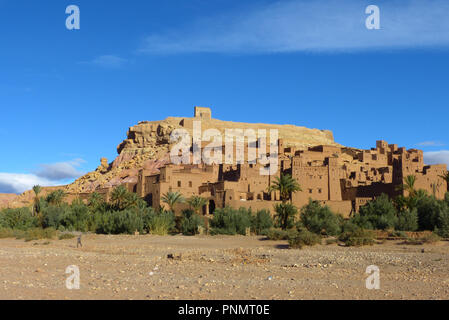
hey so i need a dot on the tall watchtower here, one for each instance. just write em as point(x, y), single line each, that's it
point(203, 113)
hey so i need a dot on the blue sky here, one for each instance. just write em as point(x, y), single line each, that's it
point(67, 97)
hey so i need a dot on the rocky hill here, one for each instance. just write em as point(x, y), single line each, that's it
point(148, 143)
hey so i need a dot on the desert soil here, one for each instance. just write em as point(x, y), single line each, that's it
point(220, 267)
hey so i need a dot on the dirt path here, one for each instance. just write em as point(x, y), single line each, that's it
point(221, 267)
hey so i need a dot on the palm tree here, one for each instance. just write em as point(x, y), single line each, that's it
point(286, 185)
point(285, 214)
point(134, 201)
point(56, 197)
point(445, 177)
point(36, 207)
point(95, 201)
point(172, 198)
point(413, 201)
point(196, 203)
point(409, 183)
point(119, 197)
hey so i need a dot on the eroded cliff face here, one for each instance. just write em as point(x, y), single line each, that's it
point(147, 147)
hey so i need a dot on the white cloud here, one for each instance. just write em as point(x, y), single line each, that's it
point(437, 157)
point(430, 144)
point(60, 170)
point(317, 26)
point(47, 175)
point(107, 61)
point(20, 182)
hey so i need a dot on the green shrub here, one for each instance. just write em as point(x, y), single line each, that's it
point(442, 225)
point(262, 221)
point(357, 237)
point(377, 214)
point(53, 215)
point(303, 238)
point(118, 222)
point(320, 219)
point(160, 223)
point(433, 215)
point(349, 226)
point(190, 222)
point(21, 219)
point(429, 209)
point(231, 221)
point(77, 218)
point(407, 220)
point(275, 234)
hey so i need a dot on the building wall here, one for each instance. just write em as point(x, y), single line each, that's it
point(345, 179)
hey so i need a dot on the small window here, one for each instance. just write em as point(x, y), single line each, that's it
point(179, 184)
point(190, 184)
point(310, 190)
point(319, 190)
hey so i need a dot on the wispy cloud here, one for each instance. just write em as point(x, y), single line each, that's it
point(437, 157)
point(304, 25)
point(107, 61)
point(430, 144)
point(47, 175)
point(60, 170)
point(20, 182)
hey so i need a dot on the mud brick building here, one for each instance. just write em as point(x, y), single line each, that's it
point(342, 178)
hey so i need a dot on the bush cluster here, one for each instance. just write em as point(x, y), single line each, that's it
point(357, 237)
point(127, 213)
point(190, 222)
point(231, 221)
point(279, 234)
point(419, 212)
point(320, 219)
point(303, 238)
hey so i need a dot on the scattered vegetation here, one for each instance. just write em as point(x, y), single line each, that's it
point(196, 203)
point(230, 221)
point(160, 223)
point(357, 237)
point(36, 234)
point(171, 199)
point(65, 236)
point(303, 238)
point(261, 221)
point(191, 222)
point(285, 215)
point(320, 219)
point(127, 213)
point(277, 234)
point(429, 238)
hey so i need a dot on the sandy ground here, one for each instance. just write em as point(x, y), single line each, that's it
point(220, 267)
